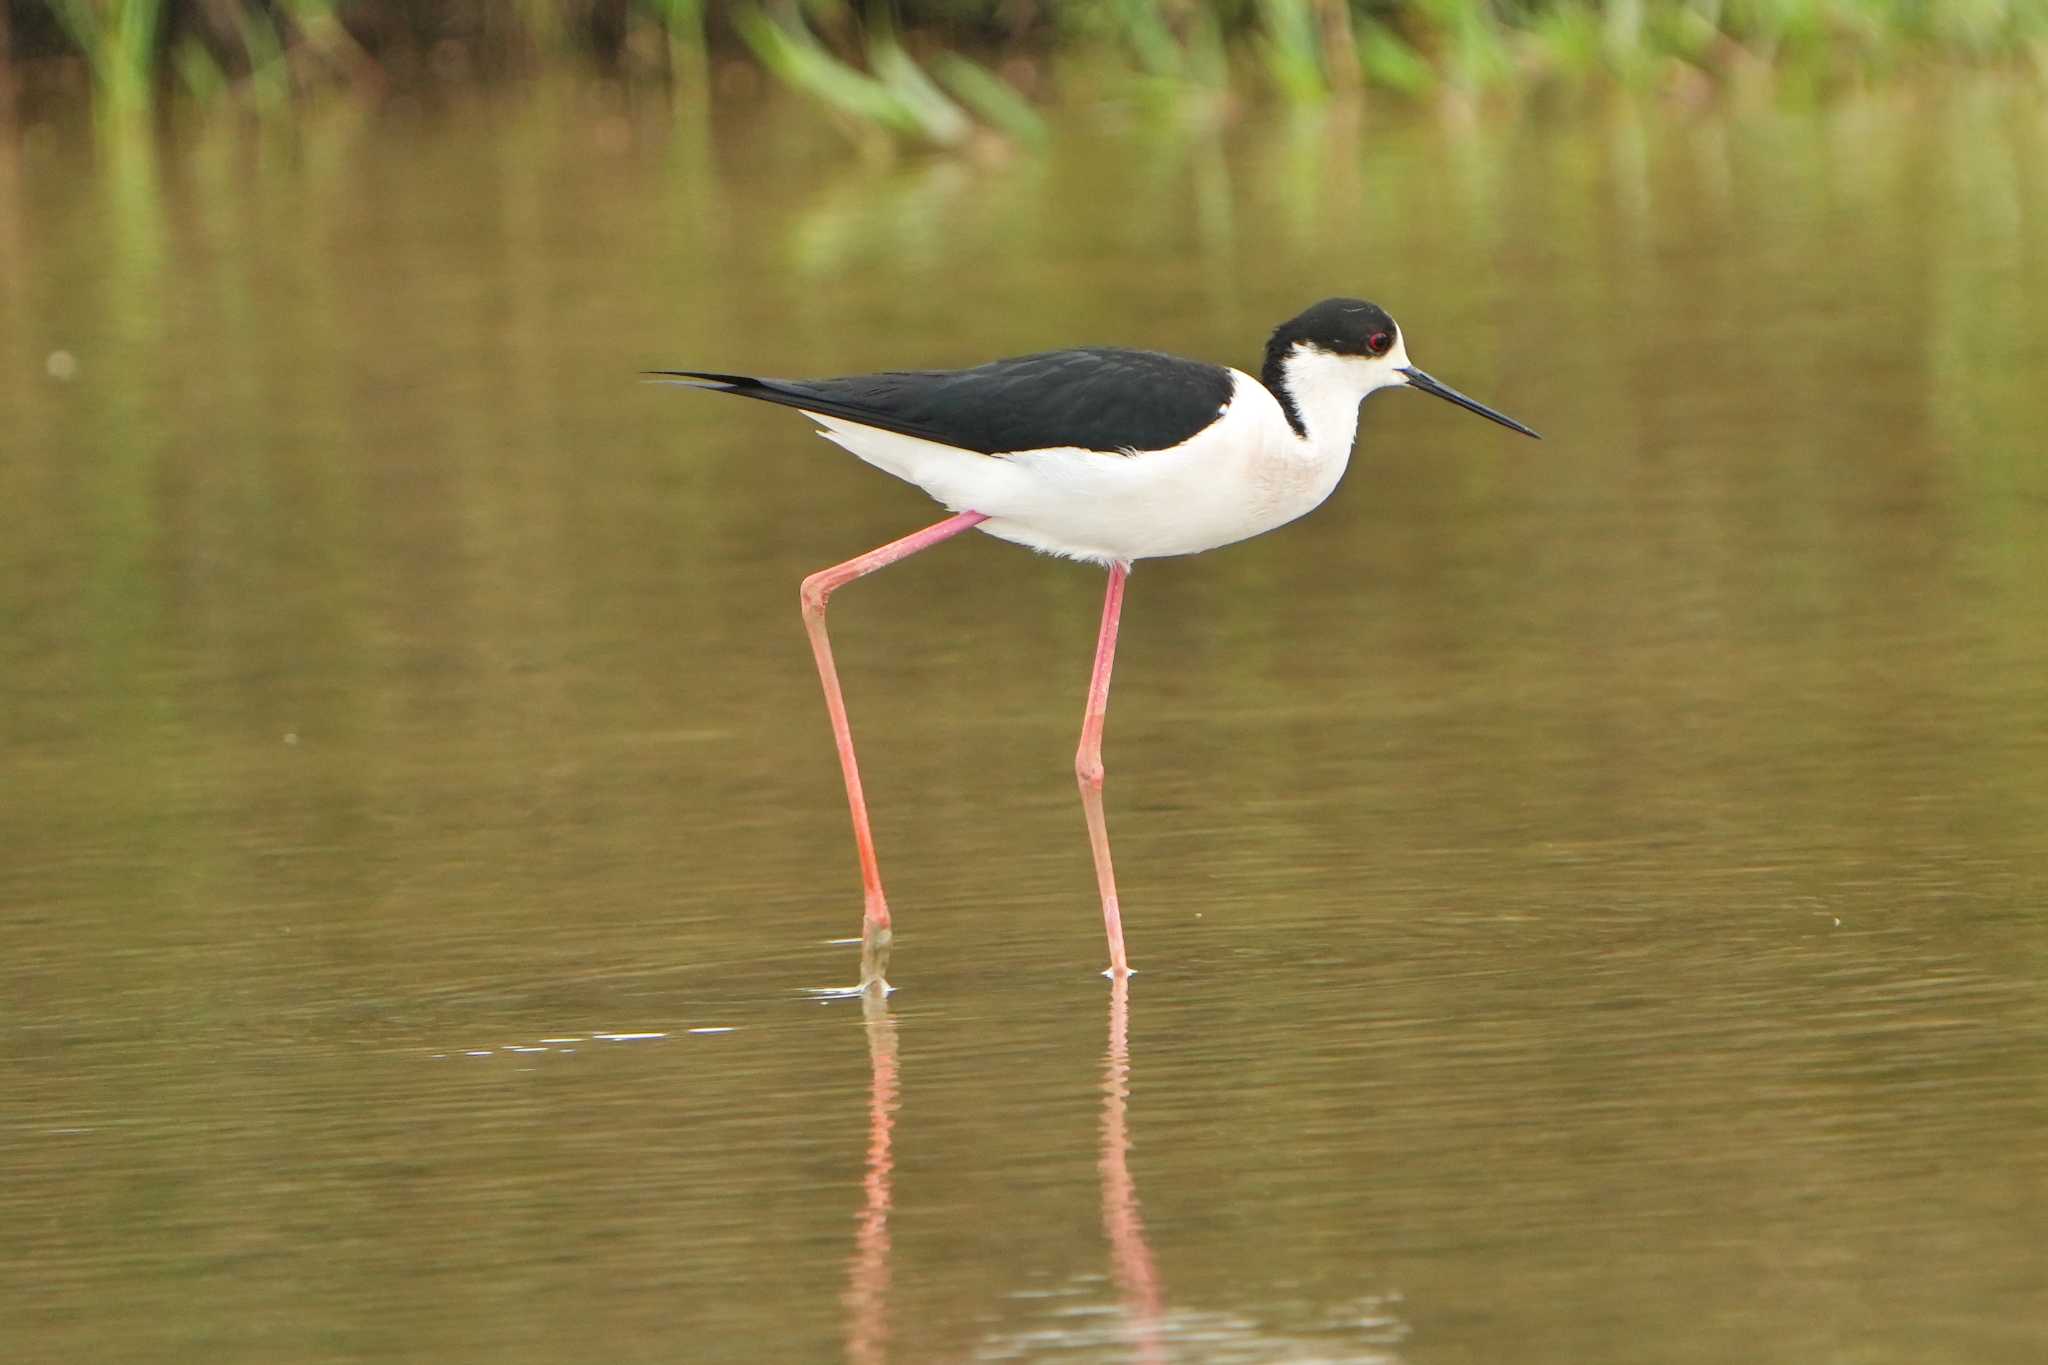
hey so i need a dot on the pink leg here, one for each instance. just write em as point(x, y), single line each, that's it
point(1088, 768)
point(817, 588)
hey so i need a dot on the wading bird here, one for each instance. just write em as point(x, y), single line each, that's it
point(1098, 454)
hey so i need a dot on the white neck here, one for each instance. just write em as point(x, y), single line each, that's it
point(1326, 389)
point(1325, 394)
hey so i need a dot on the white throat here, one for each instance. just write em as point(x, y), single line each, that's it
point(1326, 389)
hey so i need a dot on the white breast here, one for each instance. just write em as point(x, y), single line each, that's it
point(1244, 474)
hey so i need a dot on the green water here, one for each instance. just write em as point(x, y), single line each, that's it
point(1588, 897)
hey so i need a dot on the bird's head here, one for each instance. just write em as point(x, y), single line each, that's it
point(1358, 346)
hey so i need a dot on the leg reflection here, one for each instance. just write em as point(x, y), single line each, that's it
point(867, 1281)
point(1137, 1278)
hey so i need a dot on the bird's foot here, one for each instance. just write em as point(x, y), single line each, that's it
point(875, 942)
point(874, 962)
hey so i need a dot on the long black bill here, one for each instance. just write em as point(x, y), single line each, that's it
point(1419, 380)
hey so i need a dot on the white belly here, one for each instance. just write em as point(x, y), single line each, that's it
point(1242, 475)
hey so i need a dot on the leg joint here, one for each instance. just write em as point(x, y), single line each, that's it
point(1088, 769)
point(814, 592)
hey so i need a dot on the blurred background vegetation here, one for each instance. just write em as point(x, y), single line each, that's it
point(944, 72)
point(1596, 885)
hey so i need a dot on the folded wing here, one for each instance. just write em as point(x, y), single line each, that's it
point(1091, 398)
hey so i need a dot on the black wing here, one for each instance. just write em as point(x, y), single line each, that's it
point(1096, 398)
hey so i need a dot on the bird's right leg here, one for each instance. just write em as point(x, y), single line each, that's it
point(817, 588)
point(1088, 769)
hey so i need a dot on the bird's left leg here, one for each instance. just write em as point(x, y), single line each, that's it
point(1088, 768)
point(817, 589)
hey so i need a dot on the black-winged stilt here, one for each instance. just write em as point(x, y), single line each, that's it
point(1098, 454)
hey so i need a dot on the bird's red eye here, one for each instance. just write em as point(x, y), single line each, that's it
point(1378, 342)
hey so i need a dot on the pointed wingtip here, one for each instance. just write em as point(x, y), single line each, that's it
point(698, 379)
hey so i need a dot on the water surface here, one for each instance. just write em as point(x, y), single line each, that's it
point(1588, 897)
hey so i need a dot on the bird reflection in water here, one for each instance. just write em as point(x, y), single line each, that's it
point(1132, 1267)
point(867, 1287)
point(1137, 1276)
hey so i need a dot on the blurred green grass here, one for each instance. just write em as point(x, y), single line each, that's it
point(947, 72)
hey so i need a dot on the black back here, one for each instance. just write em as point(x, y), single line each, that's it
point(1093, 397)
